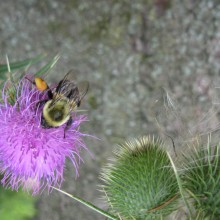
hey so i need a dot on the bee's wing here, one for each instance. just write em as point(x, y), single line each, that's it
point(68, 88)
point(63, 84)
point(83, 89)
point(64, 87)
point(78, 94)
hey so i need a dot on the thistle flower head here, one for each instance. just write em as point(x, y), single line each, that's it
point(30, 156)
point(140, 182)
point(202, 182)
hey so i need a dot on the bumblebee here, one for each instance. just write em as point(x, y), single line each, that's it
point(61, 101)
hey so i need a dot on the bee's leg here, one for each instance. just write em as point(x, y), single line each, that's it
point(39, 104)
point(78, 103)
point(68, 124)
point(30, 80)
point(49, 93)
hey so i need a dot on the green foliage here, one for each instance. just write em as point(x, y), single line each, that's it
point(202, 180)
point(11, 67)
point(47, 67)
point(16, 205)
point(140, 182)
point(18, 65)
point(10, 88)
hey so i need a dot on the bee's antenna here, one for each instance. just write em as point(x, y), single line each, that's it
point(29, 80)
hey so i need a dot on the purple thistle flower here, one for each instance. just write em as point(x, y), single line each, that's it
point(32, 157)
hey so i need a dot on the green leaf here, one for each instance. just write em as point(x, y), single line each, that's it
point(18, 65)
point(48, 66)
point(16, 205)
point(88, 204)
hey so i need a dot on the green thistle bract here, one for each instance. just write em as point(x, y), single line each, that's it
point(140, 182)
point(202, 180)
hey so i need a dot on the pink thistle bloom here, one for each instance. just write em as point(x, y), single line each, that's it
point(32, 157)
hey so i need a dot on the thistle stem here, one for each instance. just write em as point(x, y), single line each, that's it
point(88, 204)
point(180, 186)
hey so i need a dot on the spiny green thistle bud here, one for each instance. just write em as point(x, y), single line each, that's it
point(202, 180)
point(140, 182)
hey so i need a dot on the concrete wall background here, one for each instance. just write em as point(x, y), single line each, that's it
point(128, 52)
